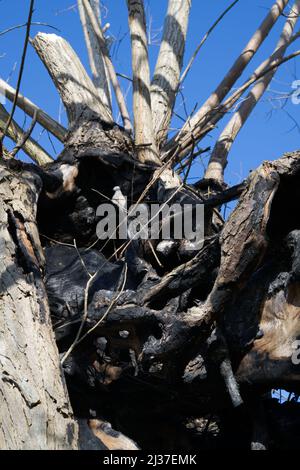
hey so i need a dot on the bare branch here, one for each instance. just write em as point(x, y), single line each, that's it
point(232, 75)
point(30, 108)
point(218, 159)
point(110, 68)
point(166, 77)
point(70, 78)
point(96, 59)
point(143, 128)
point(30, 146)
point(177, 153)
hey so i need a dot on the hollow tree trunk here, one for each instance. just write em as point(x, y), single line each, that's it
point(35, 412)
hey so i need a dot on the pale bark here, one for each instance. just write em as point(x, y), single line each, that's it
point(70, 78)
point(96, 59)
point(166, 77)
point(143, 127)
point(31, 147)
point(189, 133)
point(218, 159)
point(35, 412)
point(30, 108)
point(110, 68)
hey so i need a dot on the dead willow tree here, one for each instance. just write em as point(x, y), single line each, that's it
point(177, 348)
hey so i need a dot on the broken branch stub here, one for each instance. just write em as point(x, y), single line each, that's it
point(75, 87)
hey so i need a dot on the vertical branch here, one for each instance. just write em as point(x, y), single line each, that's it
point(166, 77)
point(110, 68)
point(144, 136)
point(96, 59)
point(218, 159)
point(194, 124)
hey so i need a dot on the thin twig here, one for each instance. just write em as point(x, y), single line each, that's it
point(21, 70)
point(85, 314)
point(25, 137)
point(113, 302)
point(203, 40)
point(81, 260)
point(33, 23)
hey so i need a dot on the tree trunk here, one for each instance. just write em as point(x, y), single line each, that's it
point(35, 412)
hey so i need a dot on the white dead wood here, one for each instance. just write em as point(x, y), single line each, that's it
point(109, 65)
point(188, 135)
point(96, 59)
point(143, 127)
point(30, 146)
point(218, 159)
point(166, 77)
point(30, 108)
point(76, 89)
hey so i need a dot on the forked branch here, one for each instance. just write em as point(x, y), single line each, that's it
point(229, 80)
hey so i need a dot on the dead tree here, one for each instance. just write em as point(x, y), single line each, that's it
point(176, 347)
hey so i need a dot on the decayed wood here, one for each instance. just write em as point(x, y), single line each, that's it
point(110, 68)
point(165, 81)
point(31, 147)
point(270, 307)
point(244, 238)
point(30, 108)
point(70, 78)
point(143, 127)
point(244, 241)
point(279, 324)
point(218, 158)
point(185, 276)
point(96, 59)
point(188, 134)
point(113, 440)
point(35, 412)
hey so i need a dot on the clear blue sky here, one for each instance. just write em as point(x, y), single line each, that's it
point(264, 137)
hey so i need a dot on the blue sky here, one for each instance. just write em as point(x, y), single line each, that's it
point(266, 136)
